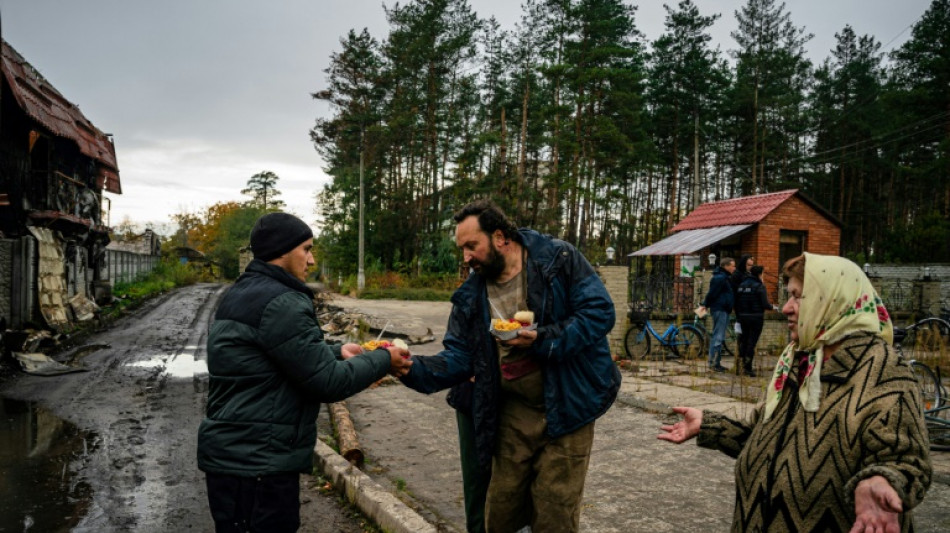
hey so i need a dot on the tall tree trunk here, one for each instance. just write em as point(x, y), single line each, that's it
point(841, 186)
point(674, 172)
point(755, 128)
point(647, 236)
point(503, 149)
point(524, 142)
point(573, 180)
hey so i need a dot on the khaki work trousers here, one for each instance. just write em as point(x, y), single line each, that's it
point(536, 480)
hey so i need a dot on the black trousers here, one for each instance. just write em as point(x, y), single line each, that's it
point(751, 331)
point(475, 477)
point(262, 504)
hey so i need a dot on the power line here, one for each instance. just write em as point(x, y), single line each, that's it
point(935, 117)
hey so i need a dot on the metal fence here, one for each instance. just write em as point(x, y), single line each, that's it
point(900, 294)
point(677, 294)
point(662, 293)
point(124, 267)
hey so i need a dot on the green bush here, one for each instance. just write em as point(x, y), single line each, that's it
point(442, 282)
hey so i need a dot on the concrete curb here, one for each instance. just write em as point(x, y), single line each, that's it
point(378, 504)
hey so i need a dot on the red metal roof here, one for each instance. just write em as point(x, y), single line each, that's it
point(44, 104)
point(745, 210)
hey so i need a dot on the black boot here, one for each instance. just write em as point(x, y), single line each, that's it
point(747, 369)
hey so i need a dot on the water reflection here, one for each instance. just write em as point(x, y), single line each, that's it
point(183, 365)
point(40, 456)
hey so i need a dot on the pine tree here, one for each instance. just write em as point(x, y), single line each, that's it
point(771, 77)
point(919, 147)
point(262, 188)
point(847, 111)
point(687, 83)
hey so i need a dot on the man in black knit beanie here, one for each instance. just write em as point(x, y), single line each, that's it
point(269, 370)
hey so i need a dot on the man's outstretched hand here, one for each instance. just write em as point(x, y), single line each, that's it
point(399, 361)
point(350, 349)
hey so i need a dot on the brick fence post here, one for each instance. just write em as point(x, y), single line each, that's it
point(615, 279)
point(929, 297)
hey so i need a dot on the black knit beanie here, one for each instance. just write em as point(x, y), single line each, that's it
point(275, 234)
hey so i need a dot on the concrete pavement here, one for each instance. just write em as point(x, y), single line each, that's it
point(411, 481)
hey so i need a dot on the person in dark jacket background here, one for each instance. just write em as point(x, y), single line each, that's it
point(719, 300)
point(743, 271)
point(752, 301)
point(535, 397)
point(269, 369)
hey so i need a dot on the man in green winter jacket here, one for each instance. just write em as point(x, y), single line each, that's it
point(269, 369)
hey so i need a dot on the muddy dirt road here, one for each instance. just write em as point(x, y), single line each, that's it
point(138, 407)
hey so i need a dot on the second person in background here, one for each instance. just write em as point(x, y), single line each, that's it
point(752, 302)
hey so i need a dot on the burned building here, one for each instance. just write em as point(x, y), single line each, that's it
point(54, 166)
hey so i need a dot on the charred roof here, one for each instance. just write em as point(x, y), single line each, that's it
point(45, 105)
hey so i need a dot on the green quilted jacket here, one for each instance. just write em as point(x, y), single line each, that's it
point(269, 369)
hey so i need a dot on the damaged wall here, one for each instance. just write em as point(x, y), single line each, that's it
point(18, 281)
point(51, 277)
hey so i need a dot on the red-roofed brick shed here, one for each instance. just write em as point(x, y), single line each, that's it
point(771, 227)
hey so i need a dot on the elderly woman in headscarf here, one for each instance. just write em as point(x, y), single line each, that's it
point(840, 442)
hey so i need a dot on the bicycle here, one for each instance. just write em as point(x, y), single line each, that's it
point(927, 338)
point(677, 341)
point(936, 403)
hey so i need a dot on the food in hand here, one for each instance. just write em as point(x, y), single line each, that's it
point(525, 318)
point(505, 325)
point(373, 345)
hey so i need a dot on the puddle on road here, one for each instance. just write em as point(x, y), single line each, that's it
point(39, 453)
point(183, 365)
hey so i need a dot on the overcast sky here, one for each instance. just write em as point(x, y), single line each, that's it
point(200, 95)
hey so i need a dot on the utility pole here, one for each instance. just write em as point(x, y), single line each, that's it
point(361, 275)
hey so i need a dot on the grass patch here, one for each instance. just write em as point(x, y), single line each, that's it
point(168, 275)
point(425, 295)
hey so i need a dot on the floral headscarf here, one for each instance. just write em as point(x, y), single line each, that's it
point(837, 301)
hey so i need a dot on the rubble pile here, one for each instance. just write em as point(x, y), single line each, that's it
point(339, 324)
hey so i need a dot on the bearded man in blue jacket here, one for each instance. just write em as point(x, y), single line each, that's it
point(537, 395)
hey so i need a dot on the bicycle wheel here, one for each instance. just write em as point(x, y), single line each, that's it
point(927, 339)
point(939, 431)
point(929, 387)
point(689, 343)
point(636, 343)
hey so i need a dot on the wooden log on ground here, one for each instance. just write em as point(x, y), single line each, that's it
point(346, 433)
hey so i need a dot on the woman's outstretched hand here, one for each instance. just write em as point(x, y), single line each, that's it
point(685, 429)
point(876, 506)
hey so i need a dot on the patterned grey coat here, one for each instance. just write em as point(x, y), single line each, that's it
point(798, 471)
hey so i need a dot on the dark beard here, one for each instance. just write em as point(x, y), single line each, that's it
point(492, 268)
